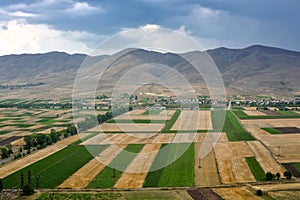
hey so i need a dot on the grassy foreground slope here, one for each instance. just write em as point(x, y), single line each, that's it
point(56, 168)
point(178, 173)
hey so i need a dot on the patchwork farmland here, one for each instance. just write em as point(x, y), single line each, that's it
point(165, 148)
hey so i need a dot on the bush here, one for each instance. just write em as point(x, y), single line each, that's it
point(27, 190)
point(259, 193)
point(288, 175)
point(277, 176)
point(269, 176)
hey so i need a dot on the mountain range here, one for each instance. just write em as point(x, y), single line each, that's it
point(250, 71)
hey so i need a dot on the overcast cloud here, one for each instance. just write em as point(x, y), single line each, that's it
point(75, 26)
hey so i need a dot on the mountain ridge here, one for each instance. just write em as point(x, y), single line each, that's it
point(254, 69)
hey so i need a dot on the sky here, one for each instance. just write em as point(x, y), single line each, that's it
point(79, 26)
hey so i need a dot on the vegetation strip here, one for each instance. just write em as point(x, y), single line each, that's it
point(152, 112)
point(178, 173)
point(171, 122)
point(232, 127)
point(272, 130)
point(256, 169)
point(106, 179)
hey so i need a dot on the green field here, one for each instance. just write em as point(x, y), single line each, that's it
point(178, 173)
point(105, 178)
point(56, 168)
point(4, 132)
point(287, 112)
point(171, 122)
point(152, 112)
point(296, 166)
point(232, 127)
point(256, 169)
point(272, 130)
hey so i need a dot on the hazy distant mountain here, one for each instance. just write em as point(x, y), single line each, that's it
point(253, 70)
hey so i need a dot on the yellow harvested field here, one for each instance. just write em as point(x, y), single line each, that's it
point(138, 115)
point(16, 165)
point(273, 187)
point(225, 171)
point(129, 127)
point(241, 171)
point(158, 138)
point(284, 147)
point(193, 120)
point(263, 156)
point(184, 138)
point(82, 177)
point(240, 193)
point(19, 142)
point(144, 138)
point(285, 195)
point(232, 166)
point(254, 113)
point(249, 108)
point(293, 122)
point(206, 172)
point(136, 172)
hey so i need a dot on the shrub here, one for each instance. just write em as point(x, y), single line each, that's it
point(1, 185)
point(27, 190)
point(288, 175)
point(269, 176)
point(277, 176)
point(259, 193)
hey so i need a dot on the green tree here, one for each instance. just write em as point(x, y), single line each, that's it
point(27, 190)
point(54, 136)
point(259, 193)
point(269, 176)
point(277, 176)
point(1, 185)
point(4, 153)
point(288, 175)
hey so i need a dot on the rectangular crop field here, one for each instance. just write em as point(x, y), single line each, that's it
point(105, 178)
point(54, 169)
point(232, 127)
point(256, 169)
point(175, 173)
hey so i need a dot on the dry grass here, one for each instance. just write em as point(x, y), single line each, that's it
point(263, 156)
point(193, 120)
point(284, 147)
point(240, 193)
point(254, 113)
point(207, 173)
point(130, 127)
point(231, 163)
